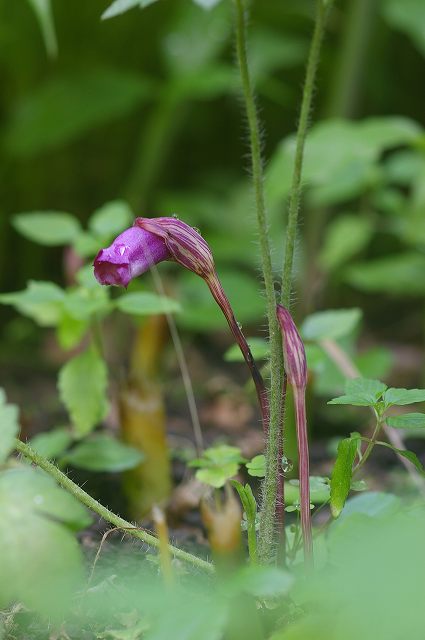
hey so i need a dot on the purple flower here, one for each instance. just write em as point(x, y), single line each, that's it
point(152, 240)
point(132, 253)
point(296, 371)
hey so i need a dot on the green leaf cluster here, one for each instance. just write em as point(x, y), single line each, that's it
point(217, 465)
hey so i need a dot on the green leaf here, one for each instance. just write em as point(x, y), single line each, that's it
point(407, 421)
point(52, 443)
point(409, 17)
point(342, 474)
point(43, 566)
point(144, 303)
point(111, 219)
point(260, 350)
point(102, 452)
point(331, 324)
point(361, 392)
point(218, 464)
point(82, 386)
point(206, 4)
point(43, 11)
point(403, 396)
point(319, 491)
point(409, 455)
point(345, 237)
point(121, 6)
point(262, 582)
point(248, 501)
point(49, 228)
point(399, 274)
point(333, 145)
point(257, 466)
point(9, 426)
point(371, 503)
point(69, 106)
point(70, 331)
point(41, 301)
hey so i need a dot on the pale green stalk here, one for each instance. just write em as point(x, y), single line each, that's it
point(105, 513)
point(266, 546)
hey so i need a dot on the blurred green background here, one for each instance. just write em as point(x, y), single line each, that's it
point(145, 107)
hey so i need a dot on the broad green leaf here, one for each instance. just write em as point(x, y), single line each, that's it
point(41, 301)
point(403, 396)
point(257, 466)
point(82, 385)
point(111, 219)
point(319, 491)
point(217, 476)
point(43, 11)
point(70, 331)
point(262, 582)
point(342, 474)
point(87, 245)
point(361, 392)
point(51, 444)
point(43, 566)
point(142, 303)
point(346, 236)
point(206, 4)
point(400, 274)
point(9, 426)
point(49, 228)
point(407, 421)
point(331, 324)
point(69, 106)
point(260, 349)
point(102, 452)
point(83, 303)
point(407, 16)
point(371, 503)
point(333, 145)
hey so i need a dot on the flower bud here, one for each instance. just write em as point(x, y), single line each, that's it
point(293, 349)
point(132, 253)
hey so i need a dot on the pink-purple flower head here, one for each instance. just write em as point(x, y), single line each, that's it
point(293, 349)
point(148, 242)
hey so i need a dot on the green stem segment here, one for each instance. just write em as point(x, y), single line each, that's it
point(322, 9)
point(267, 535)
point(105, 513)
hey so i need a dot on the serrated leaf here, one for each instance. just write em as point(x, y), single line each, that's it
point(257, 466)
point(330, 324)
point(218, 464)
point(141, 303)
point(68, 106)
point(342, 474)
point(217, 476)
point(41, 301)
point(361, 392)
point(51, 444)
point(111, 219)
point(102, 452)
point(403, 396)
point(9, 427)
point(43, 565)
point(407, 421)
point(82, 386)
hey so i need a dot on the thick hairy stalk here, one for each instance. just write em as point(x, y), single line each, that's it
point(267, 537)
point(105, 513)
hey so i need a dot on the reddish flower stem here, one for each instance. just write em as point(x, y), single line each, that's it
point(304, 472)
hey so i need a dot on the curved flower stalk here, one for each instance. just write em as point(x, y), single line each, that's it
point(152, 240)
point(296, 371)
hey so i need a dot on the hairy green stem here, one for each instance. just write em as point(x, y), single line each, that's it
point(105, 513)
point(322, 8)
point(371, 443)
point(267, 537)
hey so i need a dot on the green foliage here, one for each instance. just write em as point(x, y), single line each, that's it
point(53, 443)
point(82, 386)
point(110, 219)
point(9, 426)
point(41, 301)
point(346, 236)
point(398, 274)
point(257, 466)
point(67, 107)
point(217, 465)
point(50, 228)
point(44, 14)
point(407, 421)
point(144, 303)
point(102, 452)
point(43, 564)
point(330, 324)
point(319, 491)
point(259, 349)
point(249, 505)
point(408, 18)
point(342, 474)
point(361, 392)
